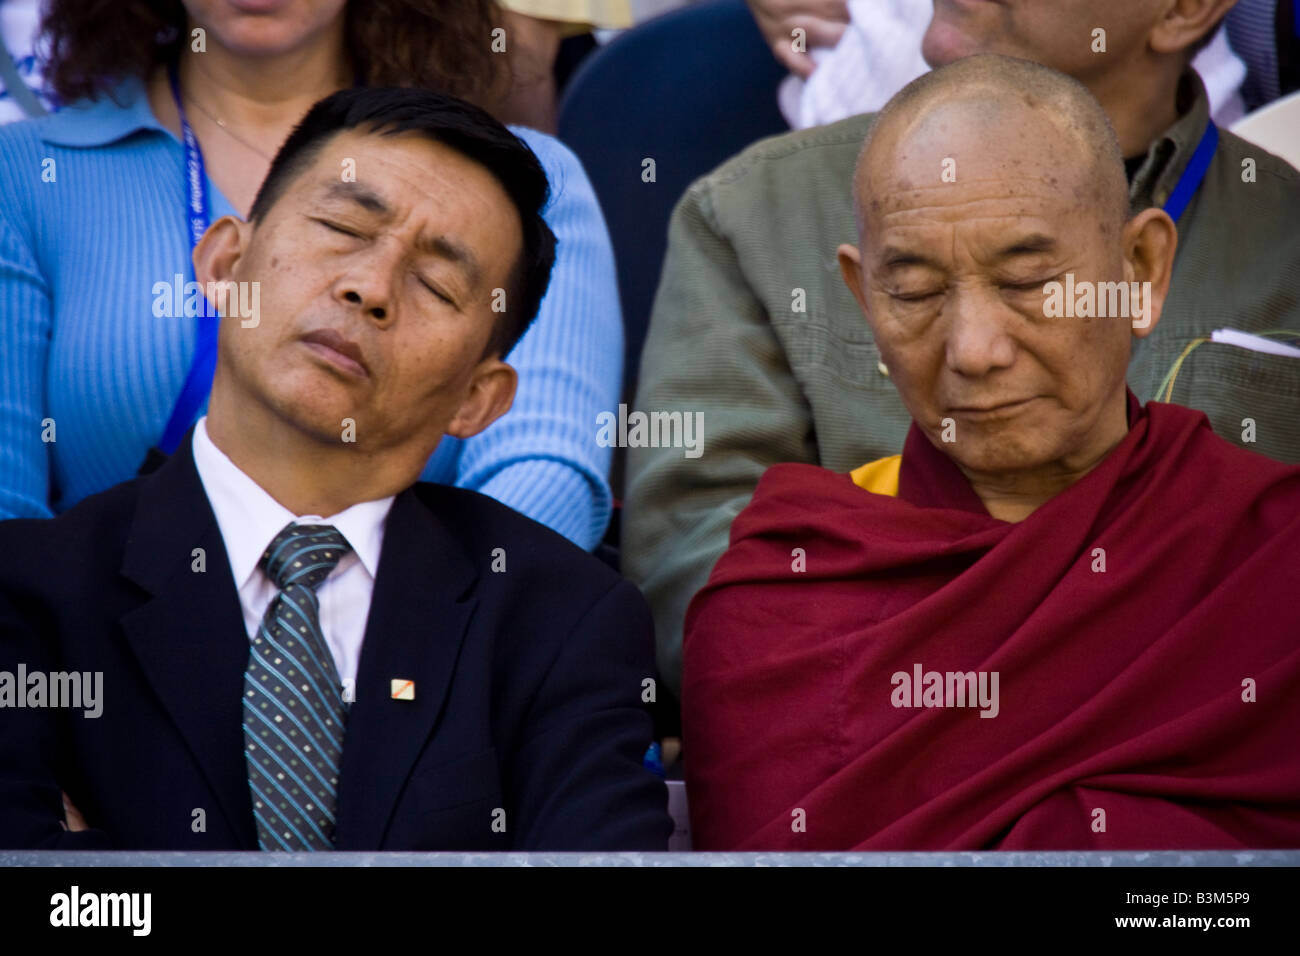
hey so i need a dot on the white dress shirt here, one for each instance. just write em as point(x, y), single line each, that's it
point(249, 519)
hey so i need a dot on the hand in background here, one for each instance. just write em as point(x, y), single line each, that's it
point(822, 20)
point(75, 821)
point(671, 750)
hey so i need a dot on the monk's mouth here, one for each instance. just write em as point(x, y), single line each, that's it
point(992, 411)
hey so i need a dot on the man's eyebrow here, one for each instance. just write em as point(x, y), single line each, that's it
point(1029, 245)
point(367, 198)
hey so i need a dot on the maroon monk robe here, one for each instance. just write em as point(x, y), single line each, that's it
point(1126, 691)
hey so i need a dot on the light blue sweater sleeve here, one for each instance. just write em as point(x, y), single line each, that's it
point(541, 457)
point(24, 350)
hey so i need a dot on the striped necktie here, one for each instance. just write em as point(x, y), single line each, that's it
point(293, 704)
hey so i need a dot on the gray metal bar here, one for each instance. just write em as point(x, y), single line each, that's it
point(1163, 858)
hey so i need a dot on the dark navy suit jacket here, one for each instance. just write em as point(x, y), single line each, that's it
point(528, 683)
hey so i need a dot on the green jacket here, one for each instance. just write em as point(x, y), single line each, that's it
point(778, 385)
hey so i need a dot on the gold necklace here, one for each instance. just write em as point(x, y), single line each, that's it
point(228, 131)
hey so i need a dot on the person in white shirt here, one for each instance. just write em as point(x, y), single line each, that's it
point(249, 517)
point(853, 55)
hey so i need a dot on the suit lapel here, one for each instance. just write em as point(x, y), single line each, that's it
point(418, 615)
point(189, 638)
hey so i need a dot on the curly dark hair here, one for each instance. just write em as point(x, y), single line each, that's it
point(427, 43)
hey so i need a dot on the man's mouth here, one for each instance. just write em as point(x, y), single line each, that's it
point(338, 350)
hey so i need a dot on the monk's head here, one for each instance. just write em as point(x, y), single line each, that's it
point(980, 185)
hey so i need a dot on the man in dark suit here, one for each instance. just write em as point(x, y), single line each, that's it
point(423, 669)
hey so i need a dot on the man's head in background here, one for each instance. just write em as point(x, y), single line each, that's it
point(1132, 66)
point(980, 183)
point(400, 252)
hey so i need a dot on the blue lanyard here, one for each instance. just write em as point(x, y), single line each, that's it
point(198, 380)
point(1195, 171)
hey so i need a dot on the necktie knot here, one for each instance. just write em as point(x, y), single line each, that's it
point(303, 554)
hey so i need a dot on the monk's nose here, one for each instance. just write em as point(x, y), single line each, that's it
point(978, 341)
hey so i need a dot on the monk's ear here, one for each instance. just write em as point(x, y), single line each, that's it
point(1149, 240)
point(490, 394)
point(219, 249)
point(851, 269)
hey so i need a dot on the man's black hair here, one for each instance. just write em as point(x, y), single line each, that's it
point(465, 128)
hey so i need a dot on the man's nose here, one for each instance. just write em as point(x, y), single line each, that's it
point(369, 279)
point(358, 294)
point(978, 341)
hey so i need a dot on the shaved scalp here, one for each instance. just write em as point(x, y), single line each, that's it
point(992, 85)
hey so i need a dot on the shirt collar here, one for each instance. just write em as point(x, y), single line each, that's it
point(113, 115)
point(249, 517)
point(1169, 155)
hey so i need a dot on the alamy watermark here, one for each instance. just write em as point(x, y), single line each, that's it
point(78, 690)
point(1099, 300)
point(75, 908)
point(181, 299)
point(923, 688)
point(683, 430)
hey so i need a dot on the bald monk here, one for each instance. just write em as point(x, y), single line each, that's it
point(1060, 619)
point(754, 330)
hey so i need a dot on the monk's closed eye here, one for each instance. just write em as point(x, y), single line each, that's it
point(1027, 286)
point(914, 295)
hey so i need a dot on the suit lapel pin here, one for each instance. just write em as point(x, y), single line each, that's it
point(402, 688)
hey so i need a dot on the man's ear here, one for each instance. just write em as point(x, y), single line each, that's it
point(851, 269)
point(1187, 21)
point(491, 393)
point(1149, 240)
point(219, 249)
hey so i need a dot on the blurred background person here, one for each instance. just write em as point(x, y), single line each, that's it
point(22, 88)
point(1266, 34)
point(877, 50)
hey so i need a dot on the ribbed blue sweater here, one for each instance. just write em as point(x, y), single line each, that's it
point(92, 214)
